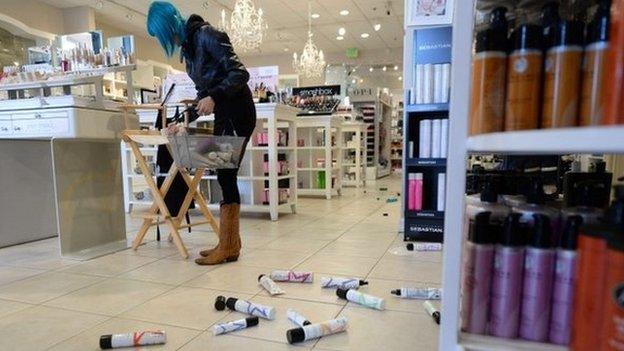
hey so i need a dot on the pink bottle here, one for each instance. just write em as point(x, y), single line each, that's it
point(539, 268)
point(411, 192)
point(477, 277)
point(565, 280)
point(507, 279)
point(418, 198)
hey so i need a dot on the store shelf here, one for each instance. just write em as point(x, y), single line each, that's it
point(266, 148)
point(607, 139)
point(316, 169)
point(426, 162)
point(427, 108)
point(486, 343)
point(249, 178)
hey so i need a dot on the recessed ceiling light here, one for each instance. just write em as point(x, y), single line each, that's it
point(400, 78)
point(286, 49)
point(344, 13)
point(396, 67)
point(371, 69)
point(353, 81)
point(365, 35)
point(361, 80)
point(377, 27)
point(340, 37)
point(342, 31)
point(315, 15)
point(99, 4)
point(384, 68)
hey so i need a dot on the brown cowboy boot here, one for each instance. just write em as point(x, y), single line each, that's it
point(229, 246)
point(206, 253)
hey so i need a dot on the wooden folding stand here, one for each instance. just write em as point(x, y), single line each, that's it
point(158, 212)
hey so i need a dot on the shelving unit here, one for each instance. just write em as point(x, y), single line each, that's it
point(254, 184)
point(354, 150)
point(319, 167)
point(595, 140)
point(396, 139)
point(427, 224)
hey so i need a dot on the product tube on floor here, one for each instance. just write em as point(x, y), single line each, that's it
point(366, 300)
point(342, 283)
point(418, 293)
point(251, 308)
point(314, 331)
point(269, 285)
point(132, 339)
point(292, 276)
point(296, 318)
point(244, 323)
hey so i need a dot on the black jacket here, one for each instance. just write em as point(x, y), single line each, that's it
point(218, 72)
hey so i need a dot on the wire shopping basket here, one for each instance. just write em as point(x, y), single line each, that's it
point(196, 150)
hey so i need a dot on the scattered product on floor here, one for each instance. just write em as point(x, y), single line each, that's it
point(292, 276)
point(269, 285)
point(385, 215)
point(424, 247)
point(342, 283)
point(314, 331)
point(366, 300)
point(432, 310)
point(296, 318)
point(227, 327)
point(242, 306)
point(418, 293)
point(113, 341)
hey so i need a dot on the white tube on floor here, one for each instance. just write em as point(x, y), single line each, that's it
point(418, 293)
point(114, 341)
point(269, 285)
point(441, 191)
point(438, 85)
point(223, 328)
point(314, 331)
point(444, 131)
point(424, 149)
point(296, 318)
point(428, 84)
point(292, 276)
point(436, 138)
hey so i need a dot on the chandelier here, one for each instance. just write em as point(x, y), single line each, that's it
point(246, 26)
point(311, 63)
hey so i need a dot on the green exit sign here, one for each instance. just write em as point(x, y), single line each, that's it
point(353, 53)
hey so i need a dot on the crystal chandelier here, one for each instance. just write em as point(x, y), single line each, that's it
point(311, 63)
point(246, 26)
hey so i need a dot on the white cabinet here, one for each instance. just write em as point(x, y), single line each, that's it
point(6, 128)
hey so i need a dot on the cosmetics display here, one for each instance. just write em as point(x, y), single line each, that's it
point(432, 84)
point(415, 191)
point(262, 138)
point(563, 70)
point(433, 139)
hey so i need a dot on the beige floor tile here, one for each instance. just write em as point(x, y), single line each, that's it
point(285, 243)
point(418, 271)
point(46, 286)
point(40, 327)
point(398, 251)
point(338, 264)
point(111, 265)
point(230, 277)
point(110, 297)
point(275, 330)
point(358, 248)
point(167, 271)
point(10, 274)
point(155, 249)
point(206, 341)
point(184, 307)
point(383, 330)
point(89, 339)
point(272, 258)
point(7, 307)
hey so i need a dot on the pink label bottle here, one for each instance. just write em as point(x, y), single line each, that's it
point(477, 277)
point(411, 192)
point(507, 279)
point(539, 267)
point(565, 280)
point(418, 198)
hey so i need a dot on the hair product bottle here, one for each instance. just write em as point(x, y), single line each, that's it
point(614, 81)
point(488, 202)
point(592, 266)
point(595, 57)
point(563, 287)
point(477, 277)
point(535, 203)
point(562, 76)
point(613, 300)
point(524, 78)
point(539, 265)
point(507, 279)
point(588, 199)
point(489, 66)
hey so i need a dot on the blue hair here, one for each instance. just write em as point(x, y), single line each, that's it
point(165, 22)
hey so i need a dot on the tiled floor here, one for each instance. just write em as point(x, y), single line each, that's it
point(48, 303)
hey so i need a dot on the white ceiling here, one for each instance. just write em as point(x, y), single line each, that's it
point(287, 20)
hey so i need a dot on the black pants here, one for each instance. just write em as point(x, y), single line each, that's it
point(228, 181)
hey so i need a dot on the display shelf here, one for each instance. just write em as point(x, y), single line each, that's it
point(252, 178)
point(427, 107)
point(486, 343)
point(425, 214)
point(356, 132)
point(426, 162)
point(608, 139)
point(327, 130)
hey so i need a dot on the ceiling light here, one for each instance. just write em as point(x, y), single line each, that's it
point(377, 27)
point(315, 15)
point(344, 13)
point(400, 77)
point(99, 4)
point(342, 31)
point(384, 68)
point(340, 37)
point(353, 81)
point(365, 35)
point(396, 67)
point(361, 80)
point(286, 49)
point(371, 69)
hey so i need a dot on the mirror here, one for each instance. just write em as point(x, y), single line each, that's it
point(125, 43)
point(90, 40)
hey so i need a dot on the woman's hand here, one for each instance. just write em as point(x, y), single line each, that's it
point(205, 106)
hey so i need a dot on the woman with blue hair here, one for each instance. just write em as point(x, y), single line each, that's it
point(221, 82)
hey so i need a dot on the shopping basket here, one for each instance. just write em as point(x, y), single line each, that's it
point(195, 149)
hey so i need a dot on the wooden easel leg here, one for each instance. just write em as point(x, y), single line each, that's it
point(201, 202)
